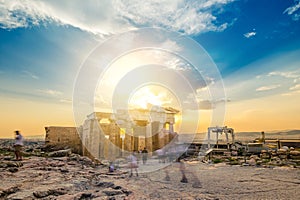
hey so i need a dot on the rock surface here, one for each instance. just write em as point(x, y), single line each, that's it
point(63, 175)
point(69, 178)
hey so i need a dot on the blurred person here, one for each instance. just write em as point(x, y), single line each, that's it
point(144, 155)
point(160, 155)
point(182, 170)
point(111, 167)
point(133, 163)
point(18, 145)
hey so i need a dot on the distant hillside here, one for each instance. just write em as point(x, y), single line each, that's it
point(35, 137)
point(246, 136)
point(289, 134)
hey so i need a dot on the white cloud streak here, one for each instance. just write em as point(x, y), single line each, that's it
point(286, 74)
point(50, 92)
point(267, 88)
point(108, 17)
point(295, 87)
point(30, 74)
point(250, 34)
point(292, 9)
point(65, 101)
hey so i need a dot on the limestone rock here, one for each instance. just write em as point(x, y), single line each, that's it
point(112, 192)
point(105, 184)
point(26, 195)
point(252, 162)
point(45, 193)
point(13, 169)
point(295, 153)
point(281, 151)
point(8, 191)
point(60, 153)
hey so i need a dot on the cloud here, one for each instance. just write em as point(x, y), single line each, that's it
point(296, 17)
point(295, 87)
point(295, 75)
point(30, 74)
point(14, 14)
point(250, 34)
point(293, 92)
point(267, 88)
point(189, 17)
point(105, 17)
point(208, 104)
point(65, 101)
point(49, 92)
point(169, 44)
point(292, 11)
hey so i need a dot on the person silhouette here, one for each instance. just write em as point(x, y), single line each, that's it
point(133, 163)
point(18, 145)
point(144, 155)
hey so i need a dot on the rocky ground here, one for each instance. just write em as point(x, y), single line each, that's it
point(64, 175)
point(77, 177)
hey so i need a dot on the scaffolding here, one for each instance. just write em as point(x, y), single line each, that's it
point(220, 130)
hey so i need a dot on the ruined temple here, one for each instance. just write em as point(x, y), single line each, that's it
point(110, 135)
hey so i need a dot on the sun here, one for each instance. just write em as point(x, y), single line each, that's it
point(152, 95)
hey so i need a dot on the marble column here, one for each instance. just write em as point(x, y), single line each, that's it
point(128, 140)
point(94, 139)
point(148, 137)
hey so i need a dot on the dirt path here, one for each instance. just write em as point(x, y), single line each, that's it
point(218, 182)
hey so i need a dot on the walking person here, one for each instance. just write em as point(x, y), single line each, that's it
point(144, 155)
point(18, 145)
point(182, 170)
point(133, 164)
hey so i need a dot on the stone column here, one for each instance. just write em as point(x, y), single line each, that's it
point(114, 138)
point(217, 139)
point(128, 140)
point(232, 136)
point(171, 127)
point(208, 138)
point(106, 148)
point(227, 140)
point(162, 135)
point(161, 126)
point(155, 135)
point(94, 138)
point(148, 137)
point(84, 137)
point(167, 135)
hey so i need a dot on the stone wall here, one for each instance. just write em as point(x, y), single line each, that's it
point(63, 138)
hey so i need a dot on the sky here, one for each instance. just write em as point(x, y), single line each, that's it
point(220, 62)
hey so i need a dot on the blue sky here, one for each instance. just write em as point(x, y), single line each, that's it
point(255, 45)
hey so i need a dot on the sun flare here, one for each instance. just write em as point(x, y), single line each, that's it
point(152, 95)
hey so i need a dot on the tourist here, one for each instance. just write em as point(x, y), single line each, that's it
point(160, 155)
point(182, 170)
point(144, 155)
point(18, 145)
point(111, 167)
point(133, 163)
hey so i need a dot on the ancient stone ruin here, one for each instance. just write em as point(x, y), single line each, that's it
point(63, 138)
point(109, 135)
